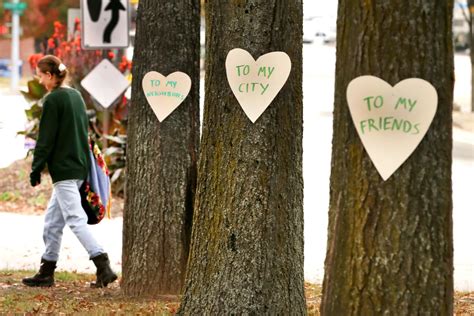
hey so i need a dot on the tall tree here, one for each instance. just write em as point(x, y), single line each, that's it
point(467, 7)
point(390, 246)
point(247, 241)
point(161, 157)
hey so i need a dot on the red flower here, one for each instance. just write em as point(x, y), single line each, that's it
point(33, 60)
point(51, 43)
point(125, 64)
point(111, 55)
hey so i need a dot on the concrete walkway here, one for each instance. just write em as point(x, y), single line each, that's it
point(21, 244)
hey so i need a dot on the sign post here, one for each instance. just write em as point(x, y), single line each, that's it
point(72, 15)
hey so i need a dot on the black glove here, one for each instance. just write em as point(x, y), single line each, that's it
point(35, 179)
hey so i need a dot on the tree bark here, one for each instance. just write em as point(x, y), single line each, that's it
point(161, 157)
point(471, 53)
point(390, 248)
point(247, 242)
point(469, 18)
point(471, 50)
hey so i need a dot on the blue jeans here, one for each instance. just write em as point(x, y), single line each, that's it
point(65, 208)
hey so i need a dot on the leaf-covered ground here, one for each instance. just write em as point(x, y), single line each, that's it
point(72, 294)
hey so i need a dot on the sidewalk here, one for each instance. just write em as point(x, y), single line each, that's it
point(21, 244)
point(12, 120)
point(464, 121)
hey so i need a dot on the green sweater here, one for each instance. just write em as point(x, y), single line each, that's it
point(63, 140)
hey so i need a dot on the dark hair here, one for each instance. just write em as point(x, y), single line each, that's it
point(50, 63)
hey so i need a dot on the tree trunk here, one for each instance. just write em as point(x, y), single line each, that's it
point(471, 49)
point(472, 74)
point(161, 157)
point(390, 248)
point(247, 242)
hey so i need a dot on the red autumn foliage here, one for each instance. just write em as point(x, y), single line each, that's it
point(125, 64)
point(79, 61)
point(38, 19)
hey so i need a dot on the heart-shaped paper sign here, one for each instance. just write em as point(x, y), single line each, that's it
point(391, 121)
point(256, 83)
point(165, 94)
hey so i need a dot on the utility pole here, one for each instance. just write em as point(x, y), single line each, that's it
point(17, 9)
point(15, 78)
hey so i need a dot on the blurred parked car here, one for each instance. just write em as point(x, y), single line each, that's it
point(309, 30)
point(319, 29)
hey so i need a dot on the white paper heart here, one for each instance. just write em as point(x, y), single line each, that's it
point(256, 83)
point(165, 94)
point(391, 121)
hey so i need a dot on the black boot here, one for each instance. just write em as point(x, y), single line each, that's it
point(45, 276)
point(104, 273)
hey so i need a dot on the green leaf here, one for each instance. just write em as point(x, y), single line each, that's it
point(28, 96)
point(34, 112)
point(36, 89)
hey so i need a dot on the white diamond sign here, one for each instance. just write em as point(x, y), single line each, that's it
point(105, 83)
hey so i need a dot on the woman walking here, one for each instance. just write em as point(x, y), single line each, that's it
point(63, 146)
